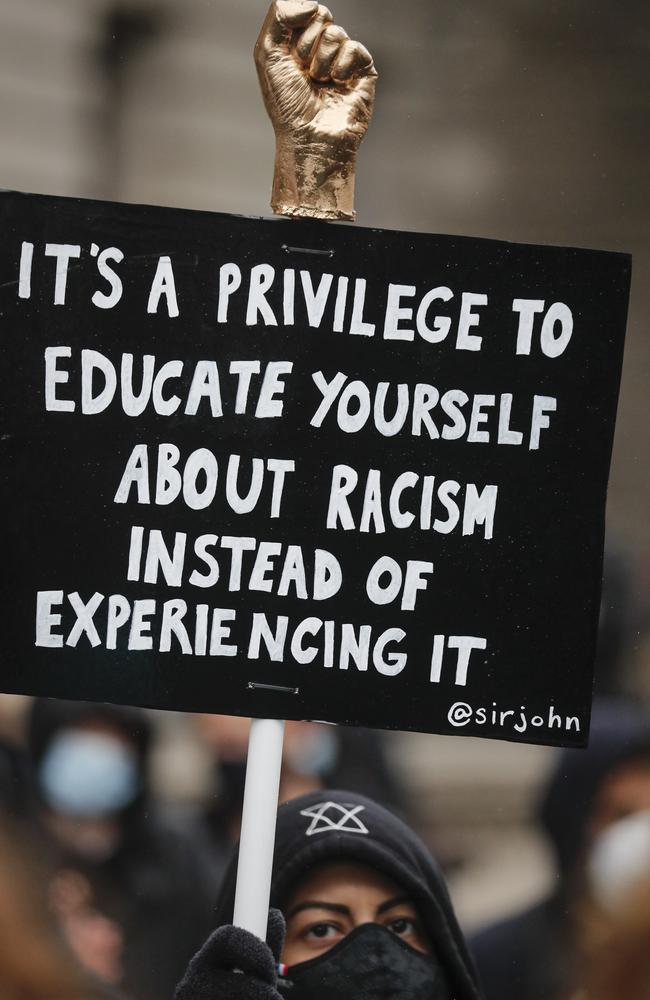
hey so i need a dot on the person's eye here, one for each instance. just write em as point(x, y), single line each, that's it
point(402, 926)
point(321, 932)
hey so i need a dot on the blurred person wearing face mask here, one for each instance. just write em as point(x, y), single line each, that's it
point(315, 756)
point(537, 954)
point(359, 912)
point(614, 929)
point(93, 940)
point(145, 875)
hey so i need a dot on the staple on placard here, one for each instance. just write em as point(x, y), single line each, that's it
point(254, 686)
point(321, 253)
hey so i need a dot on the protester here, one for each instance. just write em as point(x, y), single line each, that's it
point(144, 875)
point(615, 918)
point(366, 910)
point(536, 954)
point(617, 965)
point(34, 964)
point(314, 756)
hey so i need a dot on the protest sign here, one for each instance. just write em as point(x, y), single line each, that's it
point(299, 470)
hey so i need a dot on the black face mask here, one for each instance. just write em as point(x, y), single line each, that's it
point(370, 963)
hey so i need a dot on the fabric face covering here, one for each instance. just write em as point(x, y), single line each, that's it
point(620, 860)
point(370, 963)
point(88, 774)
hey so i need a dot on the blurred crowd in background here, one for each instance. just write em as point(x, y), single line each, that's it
point(527, 121)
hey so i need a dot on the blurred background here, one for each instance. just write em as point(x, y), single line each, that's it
point(525, 120)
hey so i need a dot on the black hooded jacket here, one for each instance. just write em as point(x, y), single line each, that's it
point(343, 826)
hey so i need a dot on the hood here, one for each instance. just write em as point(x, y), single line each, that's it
point(50, 715)
point(620, 733)
point(333, 826)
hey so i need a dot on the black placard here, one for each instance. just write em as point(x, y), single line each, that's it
point(410, 532)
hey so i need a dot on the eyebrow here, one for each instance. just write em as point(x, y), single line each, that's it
point(315, 904)
point(390, 903)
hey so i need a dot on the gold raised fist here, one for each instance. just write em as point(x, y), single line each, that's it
point(318, 87)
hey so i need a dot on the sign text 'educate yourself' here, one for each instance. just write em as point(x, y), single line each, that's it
point(304, 472)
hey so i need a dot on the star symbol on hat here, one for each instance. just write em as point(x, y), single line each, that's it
point(334, 816)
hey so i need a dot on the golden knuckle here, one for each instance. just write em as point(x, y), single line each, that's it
point(334, 33)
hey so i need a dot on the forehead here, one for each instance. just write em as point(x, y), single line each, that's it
point(630, 780)
point(342, 881)
point(624, 791)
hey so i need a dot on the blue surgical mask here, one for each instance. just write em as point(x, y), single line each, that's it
point(88, 774)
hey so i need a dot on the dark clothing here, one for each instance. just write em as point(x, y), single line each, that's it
point(233, 964)
point(524, 957)
point(343, 826)
point(363, 765)
point(620, 617)
point(17, 798)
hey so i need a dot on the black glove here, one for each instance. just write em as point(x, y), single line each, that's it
point(211, 976)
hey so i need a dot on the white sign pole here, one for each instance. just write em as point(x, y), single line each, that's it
point(261, 792)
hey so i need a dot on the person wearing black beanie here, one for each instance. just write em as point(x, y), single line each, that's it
point(359, 911)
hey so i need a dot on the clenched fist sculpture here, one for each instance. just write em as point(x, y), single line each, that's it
point(318, 87)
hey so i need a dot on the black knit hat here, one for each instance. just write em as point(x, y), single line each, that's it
point(343, 826)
